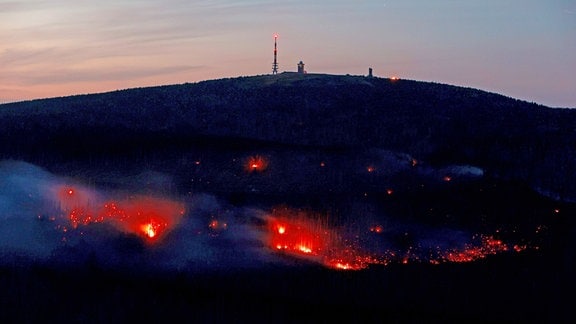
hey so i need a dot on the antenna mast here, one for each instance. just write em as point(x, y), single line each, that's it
point(275, 64)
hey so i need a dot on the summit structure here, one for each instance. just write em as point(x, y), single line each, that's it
point(275, 64)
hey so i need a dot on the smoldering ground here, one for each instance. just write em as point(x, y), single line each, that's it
point(55, 219)
point(63, 221)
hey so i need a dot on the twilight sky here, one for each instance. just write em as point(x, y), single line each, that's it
point(524, 49)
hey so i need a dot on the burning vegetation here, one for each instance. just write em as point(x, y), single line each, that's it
point(146, 216)
point(256, 163)
point(308, 236)
point(295, 233)
point(365, 238)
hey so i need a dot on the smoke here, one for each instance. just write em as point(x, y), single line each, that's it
point(56, 219)
point(62, 221)
point(23, 202)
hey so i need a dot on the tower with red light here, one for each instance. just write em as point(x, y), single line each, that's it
point(275, 64)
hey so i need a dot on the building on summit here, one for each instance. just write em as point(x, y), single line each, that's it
point(301, 68)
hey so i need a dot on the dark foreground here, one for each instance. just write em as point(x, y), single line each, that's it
point(528, 287)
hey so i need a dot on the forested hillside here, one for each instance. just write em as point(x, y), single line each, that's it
point(434, 123)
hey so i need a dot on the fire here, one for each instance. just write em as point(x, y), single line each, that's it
point(377, 229)
point(296, 234)
point(342, 266)
point(303, 248)
point(72, 197)
point(488, 246)
point(299, 237)
point(306, 235)
point(217, 226)
point(293, 232)
point(149, 217)
point(256, 164)
point(149, 230)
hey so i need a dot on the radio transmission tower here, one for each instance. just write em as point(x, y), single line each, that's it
point(275, 64)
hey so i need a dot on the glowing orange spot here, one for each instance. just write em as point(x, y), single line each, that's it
point(142, 215)
point(447, 178)
point(304, 249)
point(148, 229)
point(256, 164)
point(488, 246)
point(370, 169)
point(389, 191)
point(377, 229)
point(519, 248)
point(306, 235)
point(217, 226)
point(342, 266)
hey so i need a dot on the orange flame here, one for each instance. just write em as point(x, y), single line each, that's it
point(149, 217)
point(299, 234)
point(256, 164)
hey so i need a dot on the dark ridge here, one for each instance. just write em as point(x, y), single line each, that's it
point(436, 123)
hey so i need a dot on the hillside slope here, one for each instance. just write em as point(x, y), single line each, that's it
point(438, 124)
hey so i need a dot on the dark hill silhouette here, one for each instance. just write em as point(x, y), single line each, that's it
point(430, 157)
point(435, 123)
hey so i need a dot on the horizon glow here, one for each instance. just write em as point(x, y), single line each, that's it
point(524, 49)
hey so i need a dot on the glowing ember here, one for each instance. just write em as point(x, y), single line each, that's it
point(216, 226)
point(342, 266)
point(488, 246)
point(304, 249)
point(256, 164)
point(299, 234)
point(149, 230)
point(302, 235)
point(146, 216)
point(377, 229)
